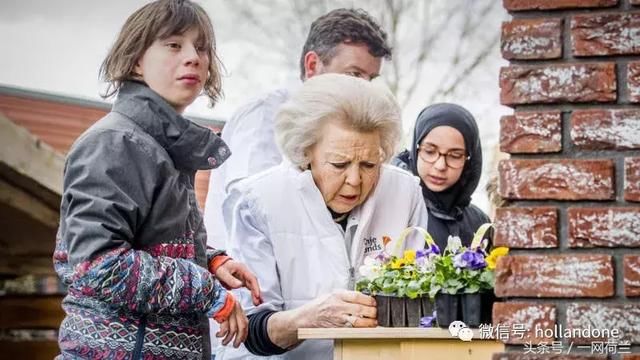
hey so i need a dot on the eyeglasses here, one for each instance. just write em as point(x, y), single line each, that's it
point(454, 159)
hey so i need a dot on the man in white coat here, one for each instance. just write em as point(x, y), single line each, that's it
point(346, 41)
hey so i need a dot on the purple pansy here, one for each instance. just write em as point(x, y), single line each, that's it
point(470, 259)
point(427, 321)
point(432, 249)
point(383, 257)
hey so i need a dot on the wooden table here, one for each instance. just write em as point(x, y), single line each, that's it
point(402, 343)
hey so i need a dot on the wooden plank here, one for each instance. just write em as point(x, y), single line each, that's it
point(450, 349)
point(378, 333)
point(31, 158)
point(337, 350)
point(375, 350)
point(23, 265)
point(29, 205)
point(31, 312)
point(415, 349)
point(33, 350)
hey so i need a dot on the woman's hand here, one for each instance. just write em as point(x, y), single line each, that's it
point(233, 274)
point(236, 326)
point(342, 308)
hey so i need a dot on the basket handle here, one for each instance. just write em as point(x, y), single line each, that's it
point(427, 237)
point(478, 237)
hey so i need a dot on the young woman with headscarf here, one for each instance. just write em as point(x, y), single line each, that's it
point(447, 156)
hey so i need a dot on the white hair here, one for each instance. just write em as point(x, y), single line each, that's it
point(357, 103)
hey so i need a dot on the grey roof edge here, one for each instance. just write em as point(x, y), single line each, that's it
point(17, 91)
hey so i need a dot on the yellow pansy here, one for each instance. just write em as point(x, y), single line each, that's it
point(496, 254)
point(409, 256)
point(397, 263)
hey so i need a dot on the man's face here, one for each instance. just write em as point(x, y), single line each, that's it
point(349, 59)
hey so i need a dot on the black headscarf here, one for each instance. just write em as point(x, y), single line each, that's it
point(451, 200)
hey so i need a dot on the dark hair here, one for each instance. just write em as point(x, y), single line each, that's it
point(159, 20)
point(344, 26)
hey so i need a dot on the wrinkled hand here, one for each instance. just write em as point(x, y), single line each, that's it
point(236, 326)
point(233, 275)
point(339, 309)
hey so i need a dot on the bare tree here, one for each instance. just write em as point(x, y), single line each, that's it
point(438, 44)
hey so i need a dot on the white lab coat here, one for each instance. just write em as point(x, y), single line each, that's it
point(280, 227)
point(250, 135)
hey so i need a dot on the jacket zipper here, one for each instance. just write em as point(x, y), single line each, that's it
point(137, 350)
point(351, 284)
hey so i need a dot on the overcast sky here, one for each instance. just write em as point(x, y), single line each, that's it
point(58, 45)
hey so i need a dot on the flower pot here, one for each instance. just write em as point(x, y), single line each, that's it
point(488, 298)
point(427, 312)
point(446, 309)
point(395, 311)
point(383, 305)
point(427, 306)
point(398, 312)
point(414, 311)
point(471, 309)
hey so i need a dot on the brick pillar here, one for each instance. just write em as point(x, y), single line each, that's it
point(573, 178)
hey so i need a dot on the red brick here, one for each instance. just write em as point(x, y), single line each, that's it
point(606, 129)
point(526, 227)
point(555, 276)
point(605, 316)
point(632, 179)
point(530, 316)
point(532, 39)
point(531, 132)
point(556, 179)
point(632, 275)
point(633, 81)
point(517, 5)
point(531, 356)
point(606, 227)
point(573, 83)
point(605, 34)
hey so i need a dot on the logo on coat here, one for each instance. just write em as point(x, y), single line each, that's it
point(371, 245)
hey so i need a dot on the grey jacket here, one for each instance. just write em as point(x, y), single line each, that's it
point(131, 244)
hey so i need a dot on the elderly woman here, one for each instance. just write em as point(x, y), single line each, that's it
point(304, 226)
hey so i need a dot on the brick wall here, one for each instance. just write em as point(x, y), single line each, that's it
point(573, 178)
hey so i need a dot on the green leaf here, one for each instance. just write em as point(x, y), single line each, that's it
point(413, 289)
point(472, 289)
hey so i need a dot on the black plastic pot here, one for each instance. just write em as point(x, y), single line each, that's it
point(398, 312)
point(383, 305)
point(427, 306)
point(402, 312)
point(488, 299)
point(414, 311)
point(471, 309)
point(446, 309)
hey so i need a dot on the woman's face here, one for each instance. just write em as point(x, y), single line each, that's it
point(345, 165)
point(176, 68)
point(439, 175)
